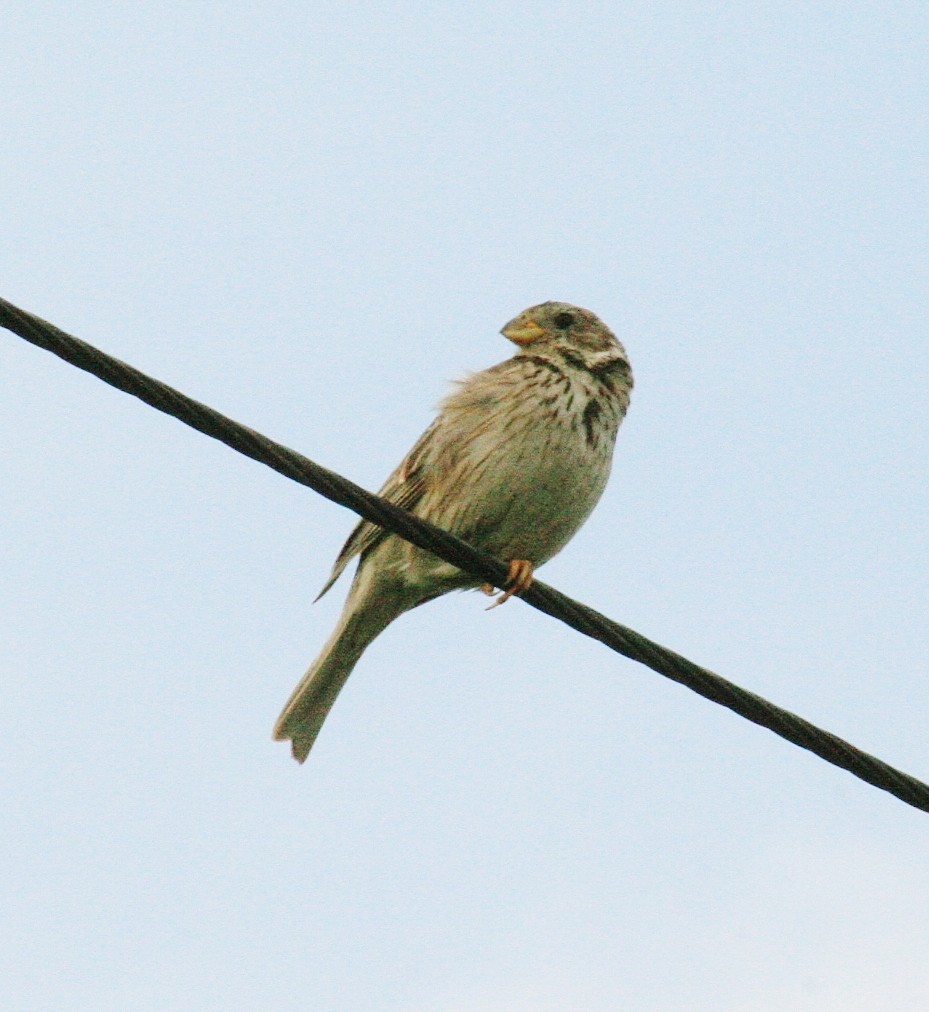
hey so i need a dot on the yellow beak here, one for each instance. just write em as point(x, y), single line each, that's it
point(521, 331)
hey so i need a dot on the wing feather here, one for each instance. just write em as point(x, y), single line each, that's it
point(405, 488)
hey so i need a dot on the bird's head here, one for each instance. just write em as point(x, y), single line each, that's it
point(559, 326)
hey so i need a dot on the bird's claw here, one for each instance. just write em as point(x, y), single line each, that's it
point(518, 579)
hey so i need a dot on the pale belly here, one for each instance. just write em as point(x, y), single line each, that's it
point(526, 498)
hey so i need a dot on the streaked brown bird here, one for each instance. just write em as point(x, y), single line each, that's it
point(514, 463)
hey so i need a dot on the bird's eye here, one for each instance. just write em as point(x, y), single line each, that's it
point(563, 320)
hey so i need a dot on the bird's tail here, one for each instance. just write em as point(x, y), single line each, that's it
point(366, 614)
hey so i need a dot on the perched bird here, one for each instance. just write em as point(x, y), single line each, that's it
point(515, 461)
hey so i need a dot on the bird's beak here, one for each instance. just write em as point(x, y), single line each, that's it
point(522, 331)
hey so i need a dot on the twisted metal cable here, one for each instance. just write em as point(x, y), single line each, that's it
point(546, 599)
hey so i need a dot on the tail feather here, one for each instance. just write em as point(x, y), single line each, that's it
point(364, 616)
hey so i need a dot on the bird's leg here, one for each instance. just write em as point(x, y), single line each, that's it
point(518, 579)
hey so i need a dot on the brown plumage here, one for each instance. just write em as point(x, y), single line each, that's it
point(515, 461)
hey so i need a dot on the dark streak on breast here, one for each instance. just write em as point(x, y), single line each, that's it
point(606, 372)
point(619, 366)
point(574, 360)
point(591, 414)
point(544, 363)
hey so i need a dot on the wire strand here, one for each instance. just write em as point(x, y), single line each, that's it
point(546, 599)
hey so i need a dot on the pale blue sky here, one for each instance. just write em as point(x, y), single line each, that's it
point(312, 217)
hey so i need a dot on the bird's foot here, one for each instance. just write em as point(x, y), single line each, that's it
point(518, 580)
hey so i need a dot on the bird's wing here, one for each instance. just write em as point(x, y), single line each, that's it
point(405, 488)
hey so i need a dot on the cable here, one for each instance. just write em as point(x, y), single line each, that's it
point(546, 599)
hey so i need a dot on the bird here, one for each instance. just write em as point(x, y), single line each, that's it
point(513, 463)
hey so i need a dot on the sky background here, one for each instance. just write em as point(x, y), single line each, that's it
point(312, 217)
